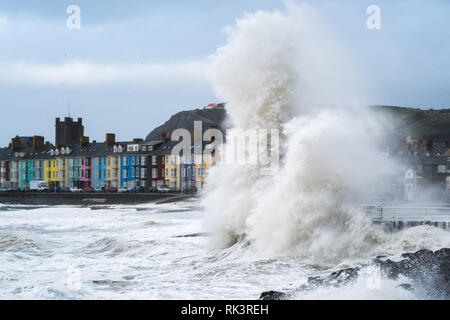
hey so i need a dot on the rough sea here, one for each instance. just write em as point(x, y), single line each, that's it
point(144, 252)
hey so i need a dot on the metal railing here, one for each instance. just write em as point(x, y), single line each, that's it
point(433, 214)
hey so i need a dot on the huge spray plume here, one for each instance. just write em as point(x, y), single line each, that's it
point(283, 71)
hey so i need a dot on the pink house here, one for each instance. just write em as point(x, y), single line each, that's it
point(86, 172)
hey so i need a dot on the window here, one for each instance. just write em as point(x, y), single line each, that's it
point(200, 172)
point(173, 185)
point(143, 162)
point(154, 173)
point(144, 148)
point(133, 147)
point(173, 172)
point(154, 160)
point(125, 161)
point(132, 172)
point(143, 172)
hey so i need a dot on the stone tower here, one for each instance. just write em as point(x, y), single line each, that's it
point(68, 132)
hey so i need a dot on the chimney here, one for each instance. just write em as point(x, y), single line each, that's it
point(110, 139)
point(38, 142)
point(138, 140)
point(164, 137)
point(84, 141)
point(16, 143)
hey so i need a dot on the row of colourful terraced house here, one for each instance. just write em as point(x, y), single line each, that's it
point(100, 165)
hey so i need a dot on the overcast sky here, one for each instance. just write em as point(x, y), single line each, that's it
point(135, 63)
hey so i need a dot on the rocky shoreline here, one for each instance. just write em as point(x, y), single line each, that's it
point(428, 273)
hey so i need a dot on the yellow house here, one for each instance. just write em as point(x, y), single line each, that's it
point(202, 169)
point(172, 174)
point(49, 172)
point(60, 171)
point(113, 175)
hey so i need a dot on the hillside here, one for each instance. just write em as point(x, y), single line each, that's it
point(185, 120)
point(417, 123)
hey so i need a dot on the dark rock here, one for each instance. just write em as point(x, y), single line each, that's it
point(273, 295)
point(405, 286)
point(428, 271)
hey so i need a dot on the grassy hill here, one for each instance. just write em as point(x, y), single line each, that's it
point(419, 123)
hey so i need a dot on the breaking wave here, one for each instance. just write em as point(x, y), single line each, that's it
point(284, 71)
point(17, 242)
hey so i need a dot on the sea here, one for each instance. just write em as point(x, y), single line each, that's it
point(151, 251)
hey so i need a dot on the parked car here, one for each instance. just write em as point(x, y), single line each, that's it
point(3, 190)
point(88, 189)
point(137, 189)
point(76, 189)
point(38, 186)
point(122, 190)
point(111, 189)
point(192, 190)
point(152, 189)
point(162, 188)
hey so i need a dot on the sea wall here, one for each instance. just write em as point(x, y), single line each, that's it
point(67, 198)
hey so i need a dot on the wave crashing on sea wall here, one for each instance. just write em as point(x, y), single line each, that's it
point(284, 71)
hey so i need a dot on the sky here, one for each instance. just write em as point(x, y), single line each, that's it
point(132, 64)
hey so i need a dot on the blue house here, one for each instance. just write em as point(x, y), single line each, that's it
point(187, 173)
point(127, 171)
point(100, 178)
